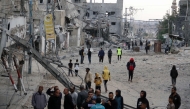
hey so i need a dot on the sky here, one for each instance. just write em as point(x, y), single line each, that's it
point(153, 9)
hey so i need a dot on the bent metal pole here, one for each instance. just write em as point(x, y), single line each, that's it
point(19, 76)
point(8, 71)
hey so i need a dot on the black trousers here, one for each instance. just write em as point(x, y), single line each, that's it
point(88, 85)
point(105, 85)
point(130, 75)
point(109, 59)
point(119, 57)
point(101, 59)
point(98, 87)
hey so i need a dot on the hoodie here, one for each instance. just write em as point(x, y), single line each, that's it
point(97, 80)
point(106, 73)
point(131, 61)
point(142, 99)
point(119, 100)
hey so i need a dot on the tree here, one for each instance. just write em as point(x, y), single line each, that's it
point(164, 26)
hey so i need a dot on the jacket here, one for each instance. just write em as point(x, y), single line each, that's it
point(89, 53)
point(88, 77)
point(177, 100)
point(131, 62)
point(109, 53)
point(39, 101)
point(174, 73)
point(113, 104)
point(119, 100)
point(74, 96)
point(142, 99)
point(68, 102)
point(54, 102)
point(81, 97)
point(119, 51)
point(106, 73)
point(97, 106)
point(97, 80)
point(101, 53)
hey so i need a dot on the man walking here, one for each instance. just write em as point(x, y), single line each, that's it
point(82, 95)
point(70, 68)
point(39, 100)
point(89, 56)
point(68, 102)
point(81, 53)
point(88, 78)
point(131, 66)
point(101, 55)
point(109, 56)
point(76, 67)
point(142, 99)
point(119, 53)
point(177, 98)
point(55, 100)
point(97, 81)
point(174, 75)
point(74, 96)
point(141, 44)
point(106, 77)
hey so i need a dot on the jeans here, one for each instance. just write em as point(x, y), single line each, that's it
point(109, 59)
point(174, 81)
point(89, 59)
point(88, 85)
point(130, 75)
point(70, 71)
point(119, 57)
point(82, 59)
point(105, 85)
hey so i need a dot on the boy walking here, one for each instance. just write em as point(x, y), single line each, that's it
point(70, 68)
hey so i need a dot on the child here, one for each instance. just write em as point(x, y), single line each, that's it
point(76, 67)
point(97, 81)
point(170, 104)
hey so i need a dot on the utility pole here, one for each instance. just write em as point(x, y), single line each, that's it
point(31, 35)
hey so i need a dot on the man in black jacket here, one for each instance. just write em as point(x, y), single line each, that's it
point(174, 75)
point(82, 95)
point(51, 93)
point(111, 103)
point(142, 99)
point(68, 103)
point(109, 55)
point(55, 100)
point(177, 98)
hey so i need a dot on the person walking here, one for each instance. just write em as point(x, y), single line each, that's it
point(147, 47)
point(39, 100)
point(82, 95)
point(76, 68)
point(141, 44)
point(109, 55)
point(70, 64)
point(142, 99)
point(81, 53)
point(135, 43)
point(68, 102)
point(74, 96)
point(98, 105)
point(131, 66)
point(88, 78)
point(55, 100)
point(101, 55)
point(176, 98)
point(51, 93)
point(170, 104)
point(97, 81)
point(119, 53)
point(174, 75)
point(106, 77)
point(89, 56)
point(119, 99)
point(129, 45)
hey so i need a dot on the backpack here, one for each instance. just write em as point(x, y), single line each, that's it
point(131, 67)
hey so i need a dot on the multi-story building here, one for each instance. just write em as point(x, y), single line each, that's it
point(112, 12)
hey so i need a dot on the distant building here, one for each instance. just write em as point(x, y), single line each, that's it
point(111, 12)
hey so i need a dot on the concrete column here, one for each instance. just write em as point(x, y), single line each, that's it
point(67, 41)
point(102, 1)
point(78, 37)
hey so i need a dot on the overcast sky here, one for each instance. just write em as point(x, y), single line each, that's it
point(153, 9)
